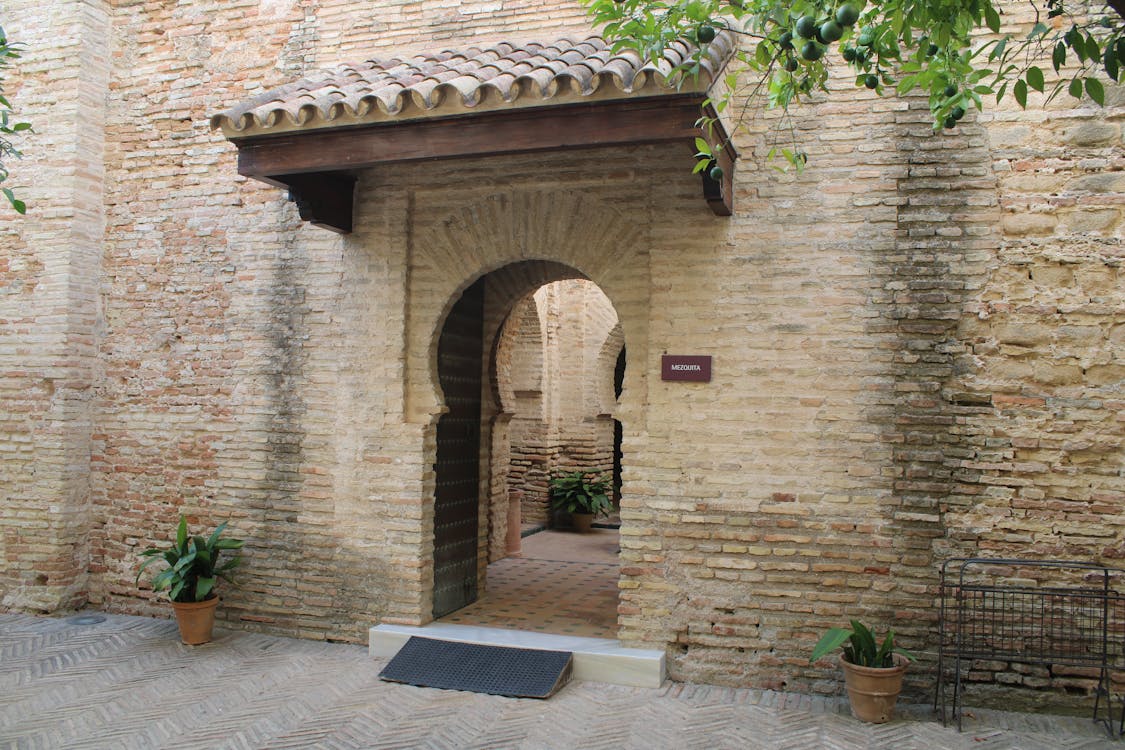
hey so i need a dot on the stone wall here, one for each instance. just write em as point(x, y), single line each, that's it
point(917, 343)
point(50, 304)
point(1038, 385)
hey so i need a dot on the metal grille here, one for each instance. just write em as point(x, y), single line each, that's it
point(1053, 613)
point(1057, 626)
point(496, 670)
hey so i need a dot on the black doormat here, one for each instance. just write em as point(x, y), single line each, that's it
point(497, 670)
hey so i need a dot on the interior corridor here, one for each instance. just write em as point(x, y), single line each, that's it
point(562, 583)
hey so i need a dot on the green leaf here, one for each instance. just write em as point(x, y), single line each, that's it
point(992, 18)
point(1093, 51)
point(941, 38)
point(1095, 90)
point(145, 564)
point(864, 642)
point(163, 580)
point(1075, 88)
point(1020, 92)
point(203, 555)
point(829, 642)
point(20, 208)
point(203, 587)
point(216, 534)
point(998, 51)
point(1077, 43)
point(1034, 77)
point(1058, 56)
point(1110, 63)
point(884, 655)
point(897, 21)
point(181, 532)
point(762, 55)
point(184, 562)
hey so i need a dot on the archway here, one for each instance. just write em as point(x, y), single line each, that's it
point(518, 239)
point(527, 359)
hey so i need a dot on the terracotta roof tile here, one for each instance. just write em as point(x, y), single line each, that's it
point(452, 81)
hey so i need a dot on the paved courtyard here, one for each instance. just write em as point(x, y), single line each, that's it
point(127, 682)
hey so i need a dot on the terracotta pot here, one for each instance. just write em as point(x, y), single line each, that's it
point(873, 691)
point(196, 619)
point(583, 522)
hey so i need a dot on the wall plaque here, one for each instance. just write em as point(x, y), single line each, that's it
point(693, 368)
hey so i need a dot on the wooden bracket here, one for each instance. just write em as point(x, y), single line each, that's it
point(324, 199)
point(719, 194)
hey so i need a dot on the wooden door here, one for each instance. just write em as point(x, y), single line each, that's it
point(457, 493)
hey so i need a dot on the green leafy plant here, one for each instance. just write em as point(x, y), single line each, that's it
point(9, 51)
point(193, 564)
point(860, 646)
point(578, 492)
point(958, 53)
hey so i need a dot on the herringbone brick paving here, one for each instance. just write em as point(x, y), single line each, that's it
point(129, 683)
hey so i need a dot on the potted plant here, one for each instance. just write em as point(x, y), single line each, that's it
point(582, 495)
point(872, 672)
point(190, 578)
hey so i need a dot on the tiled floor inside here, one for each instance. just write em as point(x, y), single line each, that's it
point(562, 582)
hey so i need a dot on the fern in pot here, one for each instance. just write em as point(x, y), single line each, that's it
point(872, 671)
point(582, 495)
point(194, 566)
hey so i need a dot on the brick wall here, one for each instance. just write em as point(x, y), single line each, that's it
point(916, 343)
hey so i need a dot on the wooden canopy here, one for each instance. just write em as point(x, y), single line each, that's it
point(312, 137)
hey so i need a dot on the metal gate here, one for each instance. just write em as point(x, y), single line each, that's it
point(457, 469)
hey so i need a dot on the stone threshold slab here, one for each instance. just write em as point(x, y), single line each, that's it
point(595, 659)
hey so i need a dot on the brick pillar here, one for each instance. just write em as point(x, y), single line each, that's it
point(513, 537)
point(48, 328)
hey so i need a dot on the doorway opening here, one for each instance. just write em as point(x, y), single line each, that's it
point(531, 374)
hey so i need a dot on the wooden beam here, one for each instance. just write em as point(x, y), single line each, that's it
point(324, 199)
point(318, 165)
point(632, 121)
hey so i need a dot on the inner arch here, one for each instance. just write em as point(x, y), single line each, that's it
point(544, 337)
